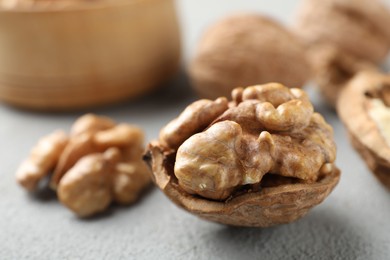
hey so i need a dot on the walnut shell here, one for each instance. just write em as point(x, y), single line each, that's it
point(243, 50)
point(359, 27)
point(364, 132)
point(270, 206)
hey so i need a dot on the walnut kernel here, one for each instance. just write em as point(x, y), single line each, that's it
point(43, 158)
point(99, 163)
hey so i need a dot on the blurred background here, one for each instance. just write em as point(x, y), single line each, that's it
point(353, 223)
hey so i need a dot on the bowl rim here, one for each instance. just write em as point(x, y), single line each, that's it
point(81, 6)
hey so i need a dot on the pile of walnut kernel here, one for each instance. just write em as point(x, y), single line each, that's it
point(265, 130)
point(98, 163)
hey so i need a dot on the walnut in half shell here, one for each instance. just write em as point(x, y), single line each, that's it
point(363, 106)
point(263, 159)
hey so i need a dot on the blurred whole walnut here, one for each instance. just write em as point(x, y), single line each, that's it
point(265, 159)
point(247, 49)
point(357, 27)
point(333, 69)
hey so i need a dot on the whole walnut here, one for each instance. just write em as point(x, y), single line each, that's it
point(333, 69)
point(247, 49)
point(262, 159)
point(357, 27)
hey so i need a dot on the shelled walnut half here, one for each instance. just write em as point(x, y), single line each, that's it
point(265, 158)
point(363, 107)
point(100, 162)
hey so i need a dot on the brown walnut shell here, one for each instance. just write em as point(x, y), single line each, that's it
point(357, 27)
point(246, 49)
point(273, 205)
point(333, 68)
point(364, 133)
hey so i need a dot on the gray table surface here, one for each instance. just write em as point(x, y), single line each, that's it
point(353, 222)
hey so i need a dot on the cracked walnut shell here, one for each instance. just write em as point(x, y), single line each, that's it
point(265, 159)
point(363, 107)
point(246, 49)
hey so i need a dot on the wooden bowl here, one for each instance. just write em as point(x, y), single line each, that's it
point(61, 57)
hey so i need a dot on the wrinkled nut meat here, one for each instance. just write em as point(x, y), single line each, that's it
point(265, 160)
point(332, 69)
point(363, 107)
point(98, 179)
point(356, 27)
point(86, 188)
point(121, 135)
point(42, 159)
point(98, 163)
point(246, 49)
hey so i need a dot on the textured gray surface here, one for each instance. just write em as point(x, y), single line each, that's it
point(353, 223)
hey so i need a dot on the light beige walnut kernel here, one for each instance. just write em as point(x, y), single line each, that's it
point(77, 147)
point(193, 119)
point(99, 179)
point(130, 179)
point(363, 107)
point(86, 187)
point(246, 49)
point(42, 160)
point(268, 142)
point(91, 124)
point(90, 140)
point(100, 163)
